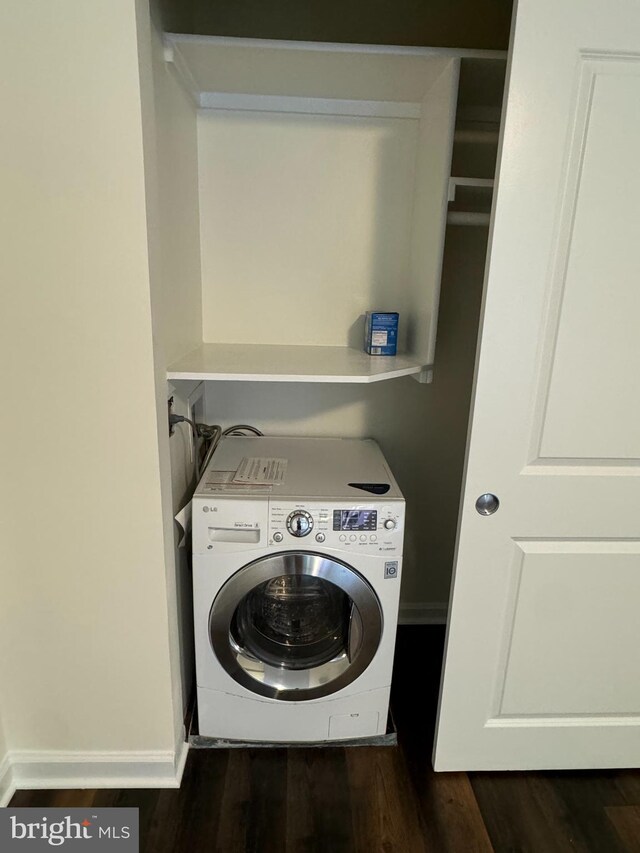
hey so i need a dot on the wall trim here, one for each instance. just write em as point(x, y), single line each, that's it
point(423, 613)
point(7, 786)
point(100, 769)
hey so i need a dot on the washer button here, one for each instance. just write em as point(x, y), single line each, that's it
point(343, 538)
point(277, 537)
point(363, 538)
point(320, 537)
point(353, 537)
point(389, 524)
point(373, 537)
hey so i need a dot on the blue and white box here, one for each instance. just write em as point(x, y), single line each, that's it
point(381, 332)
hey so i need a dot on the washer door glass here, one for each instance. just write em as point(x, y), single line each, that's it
point(293, 621)
point(295, 626)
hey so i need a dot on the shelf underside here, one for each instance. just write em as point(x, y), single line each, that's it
point(273, 363)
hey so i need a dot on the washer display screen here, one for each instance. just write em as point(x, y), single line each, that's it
point(355, 519)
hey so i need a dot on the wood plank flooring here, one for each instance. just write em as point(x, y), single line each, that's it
point(375, 799)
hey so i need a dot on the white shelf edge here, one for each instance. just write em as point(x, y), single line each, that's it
point(465, 217)
point(336, 47)
point(176, 376)
point(476, 137)
point(191, 367)
point(310, 106)
point(471, 182)
point(314, 106)
point(178, 64)
point(425, 377)
point(476, 183)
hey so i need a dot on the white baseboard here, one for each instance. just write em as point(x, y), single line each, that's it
point(7, 786)
point(61, 769)
point(424, 613)
point(182, 753)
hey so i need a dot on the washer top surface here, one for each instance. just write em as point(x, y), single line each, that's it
point(315, 468)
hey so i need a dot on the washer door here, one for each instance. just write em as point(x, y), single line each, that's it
point(295, 626)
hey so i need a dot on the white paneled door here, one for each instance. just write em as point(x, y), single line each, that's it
point(542, 666)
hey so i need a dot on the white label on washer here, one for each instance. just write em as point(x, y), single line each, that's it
point(391, 569)
point(261, 471)
point(222, 481)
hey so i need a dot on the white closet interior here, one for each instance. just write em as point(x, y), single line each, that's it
point(334, 180)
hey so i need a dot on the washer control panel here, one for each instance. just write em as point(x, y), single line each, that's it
point(365, 528)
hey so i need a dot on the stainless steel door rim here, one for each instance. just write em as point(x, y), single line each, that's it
point(365, 629)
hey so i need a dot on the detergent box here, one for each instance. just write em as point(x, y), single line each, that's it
point(381, 332)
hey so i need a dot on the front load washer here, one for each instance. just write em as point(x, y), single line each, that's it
point(297, 559)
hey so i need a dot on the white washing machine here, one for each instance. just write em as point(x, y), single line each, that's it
point(297, 557)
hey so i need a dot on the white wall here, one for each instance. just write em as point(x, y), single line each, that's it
point(305, 225)
point(3, 744)
point(171, 163)
point(86, 663)
point(308, 221)
point(6, 787)
point(177, 288)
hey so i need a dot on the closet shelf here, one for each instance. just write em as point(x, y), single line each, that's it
point(462, 217)
point(274, 363)
point(477, 184)
point(469, 201)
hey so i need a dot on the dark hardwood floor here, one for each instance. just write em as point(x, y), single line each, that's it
point(374, 799)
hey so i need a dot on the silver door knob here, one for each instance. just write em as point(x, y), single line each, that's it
point(487, 504)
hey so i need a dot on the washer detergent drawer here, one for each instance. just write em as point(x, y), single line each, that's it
point(231, 534)
point(229, 524)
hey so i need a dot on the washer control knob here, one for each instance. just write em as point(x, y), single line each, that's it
point(389, 524)
point(278, 537)
point(300, 523)
point(320, 537)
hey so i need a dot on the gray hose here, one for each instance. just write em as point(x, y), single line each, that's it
point(215, 438)
point(211, 433)
point(217, 435)
point(238, 429)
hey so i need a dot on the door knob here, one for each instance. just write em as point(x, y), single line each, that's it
point(487, 504)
